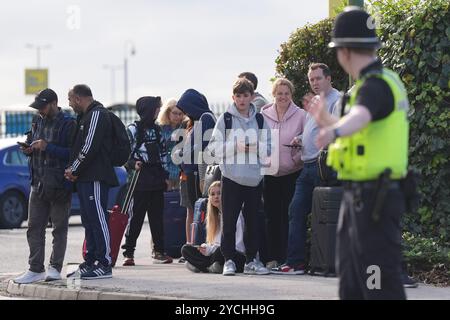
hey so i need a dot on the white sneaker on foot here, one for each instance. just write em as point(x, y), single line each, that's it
point(255, 267)
point(30, 277)
point(229, 268)
point(52, 274)
point(191, 267)
point(216, 267)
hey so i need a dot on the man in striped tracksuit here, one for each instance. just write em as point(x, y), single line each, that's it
point(90, 167)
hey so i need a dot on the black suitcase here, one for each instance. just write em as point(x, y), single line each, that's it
point(174, 224)
point(324, 218)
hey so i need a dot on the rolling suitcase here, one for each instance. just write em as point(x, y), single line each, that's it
point(324, 218)
point(174, 224)
point(118, 221)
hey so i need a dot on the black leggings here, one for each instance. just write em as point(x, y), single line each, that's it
point(202, 262)
point(152, 203)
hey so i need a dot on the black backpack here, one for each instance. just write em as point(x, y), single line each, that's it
point(213, 172)
point(121, 147)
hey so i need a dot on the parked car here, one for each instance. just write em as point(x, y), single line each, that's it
point(15, 185)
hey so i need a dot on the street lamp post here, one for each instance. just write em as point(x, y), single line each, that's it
point(129, 49)
point(38, 51)
point(113, 69)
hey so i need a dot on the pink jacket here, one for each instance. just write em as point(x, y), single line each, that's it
point(289, 127)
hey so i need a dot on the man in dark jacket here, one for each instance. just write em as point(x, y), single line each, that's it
point(90, 167)
point(50, 196)
point(149, 157)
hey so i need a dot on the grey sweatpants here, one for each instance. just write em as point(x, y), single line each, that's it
point(39, 211)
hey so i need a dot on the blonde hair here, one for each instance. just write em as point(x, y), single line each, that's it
point(212, 216)
point(282, 82)
point(163, 116)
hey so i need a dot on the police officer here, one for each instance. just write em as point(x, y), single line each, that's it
point(370, 154)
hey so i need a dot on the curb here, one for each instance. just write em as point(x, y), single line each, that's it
point(56, 293)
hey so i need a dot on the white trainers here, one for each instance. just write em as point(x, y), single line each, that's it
point(52, 274)
point(229, 268)
point(191, 267)
point(255, 267)
point(272, 264)
point(216, 267)
point(30, 277)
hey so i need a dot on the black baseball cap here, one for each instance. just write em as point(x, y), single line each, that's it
point(43, 98)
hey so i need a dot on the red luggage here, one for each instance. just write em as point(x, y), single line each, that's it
point(118, 221)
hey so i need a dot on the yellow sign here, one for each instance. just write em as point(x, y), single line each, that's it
point(35, 80)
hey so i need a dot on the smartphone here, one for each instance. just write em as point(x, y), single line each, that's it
point(23, 144)
point(292, 146)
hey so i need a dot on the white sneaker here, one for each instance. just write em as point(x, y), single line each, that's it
point(52, 274)
point(229, 268)
point(255, 267)
point(30, 277)
point(272, 264)
point(191, 267)
point(216, 267)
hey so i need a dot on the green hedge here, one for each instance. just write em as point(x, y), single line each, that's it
point(416, 35)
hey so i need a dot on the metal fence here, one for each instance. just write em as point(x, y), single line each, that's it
point(17, 123)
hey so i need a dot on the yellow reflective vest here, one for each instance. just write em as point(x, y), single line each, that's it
point(382, 144)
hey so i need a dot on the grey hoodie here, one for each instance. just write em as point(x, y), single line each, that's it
point(247, 172)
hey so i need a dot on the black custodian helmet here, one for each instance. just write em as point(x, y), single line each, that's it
point(354, 28)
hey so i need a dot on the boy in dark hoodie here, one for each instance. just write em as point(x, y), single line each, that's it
point(148, 156)
point(195, 106)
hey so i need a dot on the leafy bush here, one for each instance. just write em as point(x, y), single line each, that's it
point(416, 37)
point(428, 261)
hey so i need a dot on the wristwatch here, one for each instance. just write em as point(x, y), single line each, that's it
point(337, 133)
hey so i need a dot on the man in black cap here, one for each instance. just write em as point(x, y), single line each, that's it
point(370, 154)
point(49, 147)
point(91, 168)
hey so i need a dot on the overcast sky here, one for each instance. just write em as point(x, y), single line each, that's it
point(180, 44)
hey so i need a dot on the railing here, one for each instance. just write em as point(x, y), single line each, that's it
point(17, 123)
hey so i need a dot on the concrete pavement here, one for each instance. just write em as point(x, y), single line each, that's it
point(173, 281)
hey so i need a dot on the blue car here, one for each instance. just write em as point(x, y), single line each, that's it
point(15, 185)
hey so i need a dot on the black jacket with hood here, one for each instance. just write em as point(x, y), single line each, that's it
point(90, 154)
point(148, 145)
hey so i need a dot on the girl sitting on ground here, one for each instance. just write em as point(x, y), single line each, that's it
point(208, 257)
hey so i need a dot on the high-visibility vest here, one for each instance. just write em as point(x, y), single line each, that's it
point(381, 145)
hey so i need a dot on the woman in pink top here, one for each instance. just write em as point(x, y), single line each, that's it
point(289, 119)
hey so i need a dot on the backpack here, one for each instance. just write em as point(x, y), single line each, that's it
point(121, 148)
point(198, 226)
point(213, 172)
point(228, 119)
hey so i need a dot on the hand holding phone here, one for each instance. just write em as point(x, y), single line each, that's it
point(23, 144)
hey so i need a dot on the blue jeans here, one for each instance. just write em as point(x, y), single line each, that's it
point(299, 209)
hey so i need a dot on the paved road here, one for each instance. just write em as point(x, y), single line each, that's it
point(175, 281)
point(14, 246)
